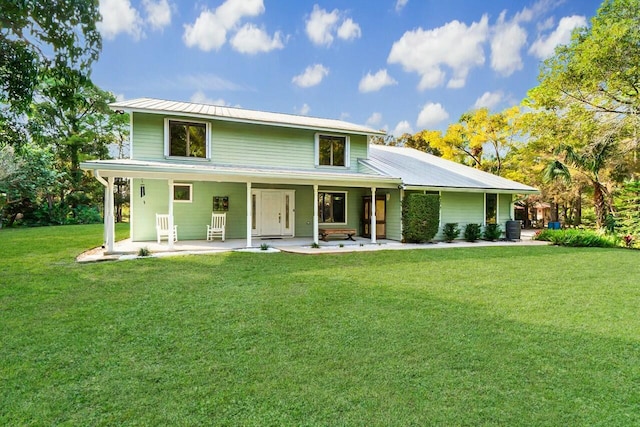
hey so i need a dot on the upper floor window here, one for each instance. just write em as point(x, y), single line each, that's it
point(332, 150)
point(186, 139)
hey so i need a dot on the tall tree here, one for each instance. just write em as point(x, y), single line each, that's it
point(481, 139)
point(57, 37)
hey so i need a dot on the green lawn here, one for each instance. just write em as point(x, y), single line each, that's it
point(480, 336)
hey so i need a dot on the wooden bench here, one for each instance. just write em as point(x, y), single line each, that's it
point(325, 232)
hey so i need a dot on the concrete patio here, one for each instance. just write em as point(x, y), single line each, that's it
point(126, 249)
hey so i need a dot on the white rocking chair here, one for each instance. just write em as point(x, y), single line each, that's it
point(162, 228)
point(218, 226)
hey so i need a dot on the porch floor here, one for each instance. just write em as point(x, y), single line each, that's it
point(126, 249)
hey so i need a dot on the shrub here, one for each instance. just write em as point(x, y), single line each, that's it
point(579, 238)
point(472, 232)
point(492, 232)
point(451, 231)
point(264, 247)
point(420, 217)
point(144, 251)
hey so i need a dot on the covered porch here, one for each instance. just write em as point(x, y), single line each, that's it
point(258, 202)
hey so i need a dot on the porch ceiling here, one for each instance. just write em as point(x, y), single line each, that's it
point(206, 172)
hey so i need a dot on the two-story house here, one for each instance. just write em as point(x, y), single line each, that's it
point(281, 175)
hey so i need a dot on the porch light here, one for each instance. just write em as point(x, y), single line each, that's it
point(142, 190)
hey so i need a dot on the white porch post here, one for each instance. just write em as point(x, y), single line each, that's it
point(109, 226)
point(498, 208)
point(315, 214)
point(401, 222)
point(249, 214)
point(171, 229)
point(373, 215)
point(484, 210)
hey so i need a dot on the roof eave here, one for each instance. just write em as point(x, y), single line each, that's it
point(128, 109)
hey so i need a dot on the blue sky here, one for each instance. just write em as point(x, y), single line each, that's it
point(397, 65)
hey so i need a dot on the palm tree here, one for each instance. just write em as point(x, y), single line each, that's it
point(590, 161)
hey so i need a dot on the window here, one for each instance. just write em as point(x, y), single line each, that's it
point(332, 150)
point(182, 193)
point(332, 208)
point(491, 208)
point(186, 139)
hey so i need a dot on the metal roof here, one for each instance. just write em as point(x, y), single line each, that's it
point(217, 112)
point(419, 169)
point(208, 172)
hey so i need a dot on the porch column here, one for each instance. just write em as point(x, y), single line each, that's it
point(315, 214)
point(109, 226)
point(249, 214)
point(498, 208)
point(171, 229)
point(373, 215)
point(401, 222)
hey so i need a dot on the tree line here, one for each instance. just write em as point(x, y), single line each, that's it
point(575, 136)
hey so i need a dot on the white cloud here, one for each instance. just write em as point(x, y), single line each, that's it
point(400, 4)
point(349, 30)
point(375, 82)
point(544, 47)
point(432, 114)
point(119, 97)
point(374, 120)
point(311, 76)
point(200, 97)
point(304, 110)
point(489, 100)
point(402, 128)
point(158, 13)
point(210, 29)
point(118, 16)
point(251, 40)
point(506, 43)
point(322, 27)
point(206, 82)
point(454, 45)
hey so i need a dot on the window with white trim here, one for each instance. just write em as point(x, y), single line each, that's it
point(332, 150)
point(186, 139)
point(332, 207)
point(182, 193)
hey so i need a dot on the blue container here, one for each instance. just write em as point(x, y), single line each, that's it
point(554, 225)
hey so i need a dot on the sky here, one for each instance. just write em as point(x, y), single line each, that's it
point(397, 65)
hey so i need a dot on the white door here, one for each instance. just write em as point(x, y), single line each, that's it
point(274, 212)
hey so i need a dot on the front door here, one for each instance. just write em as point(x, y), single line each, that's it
point(274, 212)
point(381, 216)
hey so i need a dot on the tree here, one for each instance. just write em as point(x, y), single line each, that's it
point(55, 37)
point(591, 162)
point(481, 139)
point(26, 176)
point(426, 141)
point(599, 67)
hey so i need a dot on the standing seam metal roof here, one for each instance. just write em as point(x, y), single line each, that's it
point(241, 115)
point(417, 168)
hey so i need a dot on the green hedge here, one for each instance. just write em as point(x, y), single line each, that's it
point(420, 217)
point(578, 238)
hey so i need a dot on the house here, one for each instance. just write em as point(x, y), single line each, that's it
point(281, 175)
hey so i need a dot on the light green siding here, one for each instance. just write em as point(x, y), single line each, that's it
point(191, 218)
point(463, 208)
point(241, 144)
point(504, 207)
point(148, 137)
point(394, 215)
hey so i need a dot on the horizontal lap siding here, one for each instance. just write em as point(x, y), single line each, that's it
point(504, 206)
point(394, 215)
point(462, 208)
point(191, 218)
point(148, 136)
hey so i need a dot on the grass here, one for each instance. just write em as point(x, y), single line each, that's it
point(478, 336)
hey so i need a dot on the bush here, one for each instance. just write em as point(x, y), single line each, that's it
point(451, 231)
point(472, 232)
point(420, 217)
point(578, 238)
point(492, 232)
